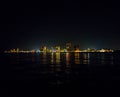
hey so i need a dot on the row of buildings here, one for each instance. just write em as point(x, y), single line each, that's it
point(68, 48)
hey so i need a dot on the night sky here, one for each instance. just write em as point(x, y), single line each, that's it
point(32, 24)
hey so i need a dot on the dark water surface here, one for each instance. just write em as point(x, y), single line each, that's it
point(60, 74)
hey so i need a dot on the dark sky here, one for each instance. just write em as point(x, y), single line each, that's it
point(32, 24)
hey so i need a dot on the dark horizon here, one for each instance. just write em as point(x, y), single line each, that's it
point(89, 24)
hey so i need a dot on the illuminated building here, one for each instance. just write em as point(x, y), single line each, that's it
point(32, 51)
point(17, 50)
point(76, 48)
point(68, 46)
point(57, 48)
point(105, 50)
point(102, 50)
point(91, 50)
point(43, 49)
point(63, 50)
point(38, 51)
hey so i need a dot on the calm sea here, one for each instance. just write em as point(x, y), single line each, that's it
point(59, 74)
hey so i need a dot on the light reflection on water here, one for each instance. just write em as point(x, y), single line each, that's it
point(59, 67)
point(71, 58)
point(52, 58)
point(67, 59)
point(86, 58)
point(57, 58)
point(68, 63)
point(77, 58)
point(44, 58)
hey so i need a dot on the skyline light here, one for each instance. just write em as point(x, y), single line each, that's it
point(58, 49)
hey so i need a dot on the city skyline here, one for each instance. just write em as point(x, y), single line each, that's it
point(67, 48)
point(65, 45)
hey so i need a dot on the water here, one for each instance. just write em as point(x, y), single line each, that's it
point(59, 74)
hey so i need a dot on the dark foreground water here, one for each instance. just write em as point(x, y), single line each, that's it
point(60, 75)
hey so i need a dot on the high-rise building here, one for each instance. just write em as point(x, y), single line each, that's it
point(57, 48)
point(68, 46)
point(76, 47)
point(43, 49)
point(17, 50)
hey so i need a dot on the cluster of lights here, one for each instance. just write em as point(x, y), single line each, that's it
point(56, 50)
